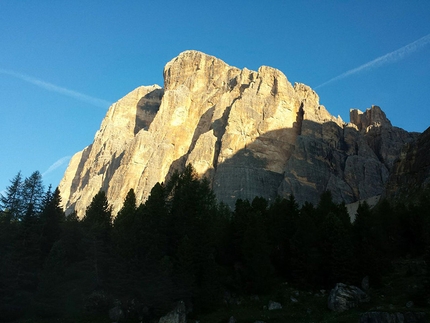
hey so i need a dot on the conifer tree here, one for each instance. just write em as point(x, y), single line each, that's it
point(193, 219)
point(185, 269)
point(241, 219)
point(125, 227)
point(367, 258)
point(12, 203)
point(52, 290)
point(386, 228)
point(32, 194)
point(98, 216)
point(154, 218)
point(256, 256)
point(98, 223)
point(326, 205)
point(305, 252)
point(11, 304)
point(51, 218)
point(283, 216)
point(337, 254)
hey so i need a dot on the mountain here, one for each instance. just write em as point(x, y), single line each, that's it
point(251, 133)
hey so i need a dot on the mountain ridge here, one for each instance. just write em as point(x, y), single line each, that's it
point(251, 133)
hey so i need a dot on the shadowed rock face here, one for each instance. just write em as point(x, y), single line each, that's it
point(411, 171)
point(251, 133)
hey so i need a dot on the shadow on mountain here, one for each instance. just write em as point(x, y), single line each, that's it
point(305, 161)
point(147, 108)
point(411, 172)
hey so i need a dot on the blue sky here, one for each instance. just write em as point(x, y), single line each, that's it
point(63, 62)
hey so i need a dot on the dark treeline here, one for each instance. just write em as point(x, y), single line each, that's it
point(181, 244)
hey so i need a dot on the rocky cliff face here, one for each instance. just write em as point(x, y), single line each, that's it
point(411, 171)
point(351, 160)
point(251, 133)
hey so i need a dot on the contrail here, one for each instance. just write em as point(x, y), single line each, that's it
point(385, 59)
point(57, 164)
point(55, 88)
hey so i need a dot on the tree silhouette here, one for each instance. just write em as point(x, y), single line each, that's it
point(51, 218)
point(12, 203)
point(32, 194)
point(98, 224)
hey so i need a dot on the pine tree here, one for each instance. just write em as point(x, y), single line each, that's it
point(193, 218)
point(366, 248)
point(154, 219)
point(98, 216)
point(12, 203)
point(52, 290)
point(98, 223)
point(185, 269)
point(125, 227)
point(11, 305)
point(256, 255)
point(32, 194)
point(326, 205)
point(305, 249)
point(337, 254)
point(283, 216)
point(51, 218)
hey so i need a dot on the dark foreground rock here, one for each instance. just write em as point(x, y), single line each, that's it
point(116, 314)
point(343, 297)
point(178, 315)
point(385, 317)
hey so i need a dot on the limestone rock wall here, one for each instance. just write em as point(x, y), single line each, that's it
point(251, 133)
point(411, 171)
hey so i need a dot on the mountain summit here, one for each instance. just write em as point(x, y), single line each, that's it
point(251, 133)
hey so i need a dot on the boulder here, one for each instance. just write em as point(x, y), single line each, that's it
point(343, 297)
point(116, 314)
point(177, 315)
point(274, 306)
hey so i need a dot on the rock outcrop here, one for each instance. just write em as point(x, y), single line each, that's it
point(177, 315)
point(251, 133)
point(351, 160)
point(344, 297)
point(274, 306)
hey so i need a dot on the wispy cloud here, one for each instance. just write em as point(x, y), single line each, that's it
point(57, 164)
point(382, 60)
point(58, 89)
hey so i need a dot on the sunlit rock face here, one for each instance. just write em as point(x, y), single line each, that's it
point(251, 133)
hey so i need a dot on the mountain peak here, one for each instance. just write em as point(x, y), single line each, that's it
point(251, 133)
point(372, 117)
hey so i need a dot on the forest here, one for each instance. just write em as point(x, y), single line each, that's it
point(182, 244)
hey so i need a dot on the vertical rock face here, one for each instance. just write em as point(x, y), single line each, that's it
point(411, 171)
point(251, 133)
point(351, 160)
point(90, 170)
